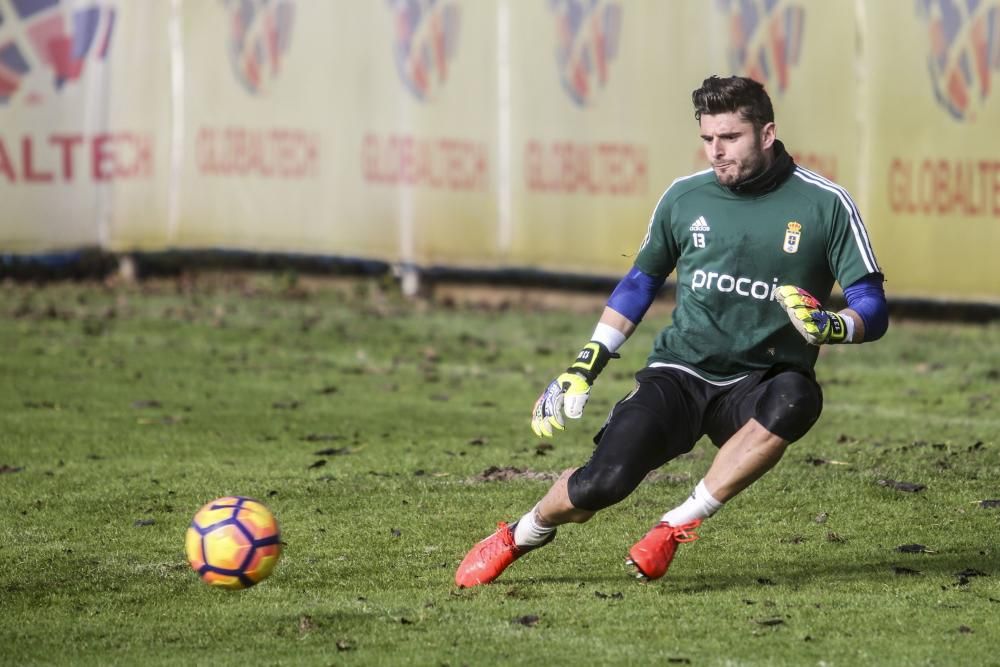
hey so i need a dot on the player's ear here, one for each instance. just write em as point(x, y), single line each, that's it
point(767, 135)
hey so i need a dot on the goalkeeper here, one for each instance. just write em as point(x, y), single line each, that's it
point(757, 243)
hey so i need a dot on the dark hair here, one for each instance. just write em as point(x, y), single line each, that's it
point(732, 94)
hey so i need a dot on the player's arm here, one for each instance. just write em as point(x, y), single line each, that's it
point(867, 306)
point(866, 317)
point(569, 392)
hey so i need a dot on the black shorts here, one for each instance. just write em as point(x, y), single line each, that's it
point(685, 407)
point(670, 409)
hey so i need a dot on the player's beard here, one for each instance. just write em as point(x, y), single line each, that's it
point(753, 165)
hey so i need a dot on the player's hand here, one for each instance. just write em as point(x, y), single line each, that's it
point(569, 392)
point(816, 325)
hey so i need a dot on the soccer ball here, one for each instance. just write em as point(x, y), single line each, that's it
point(233, 542)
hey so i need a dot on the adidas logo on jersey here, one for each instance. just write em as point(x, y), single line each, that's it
point(700, 225)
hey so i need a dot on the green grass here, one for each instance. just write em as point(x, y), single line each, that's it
point(124, 404)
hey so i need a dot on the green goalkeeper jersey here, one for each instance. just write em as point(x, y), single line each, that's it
point(731, 249)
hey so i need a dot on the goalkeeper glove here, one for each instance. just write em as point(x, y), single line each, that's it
point(816, 325)
point(569, 392)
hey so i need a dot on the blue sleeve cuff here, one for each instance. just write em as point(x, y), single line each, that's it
point(867, 298)
point(634, 294)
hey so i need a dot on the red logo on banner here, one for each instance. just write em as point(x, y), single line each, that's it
point(765, 39)
point(259, 36)
point(426, 38)
point(281, 153)
point(65, 157)
point(944, 187)
point(47, 43)
point(567, 167)
point(964, 51)
point(587, 42)
point(433, 163)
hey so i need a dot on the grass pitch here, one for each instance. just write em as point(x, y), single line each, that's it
point(389, 436)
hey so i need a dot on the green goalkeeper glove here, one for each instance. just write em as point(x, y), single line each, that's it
point(569, 392)
point(816, 325)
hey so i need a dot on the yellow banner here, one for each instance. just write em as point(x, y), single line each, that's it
point(580, 150)
point(603, 120)
point(140, 102)
point(62, 151)
point(253, 168)
point(934, 147)
point(467, 133)
point(423, 141)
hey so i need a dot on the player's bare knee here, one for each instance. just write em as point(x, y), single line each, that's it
point(559, 490)
point(578, 515)
point(557, 508)
point(565, 475)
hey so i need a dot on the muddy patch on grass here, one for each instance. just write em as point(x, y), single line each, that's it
point(906, 487)
point(660, 477)
point(511, 474)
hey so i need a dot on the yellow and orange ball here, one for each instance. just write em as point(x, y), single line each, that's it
point(233, 542)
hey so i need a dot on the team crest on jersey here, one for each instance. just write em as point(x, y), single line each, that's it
point(792, 236)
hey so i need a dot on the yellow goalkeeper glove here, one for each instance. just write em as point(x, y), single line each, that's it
point(816, 325)
point(569, 392)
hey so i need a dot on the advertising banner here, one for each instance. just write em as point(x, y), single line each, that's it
point(805, 53)
point(602, 110)
point(534, 134)
point(143, 116)
point(934, 147)
point(423, 144)
point(581, 102)
point(340, 128)
point(59, 154)
point(253, 169)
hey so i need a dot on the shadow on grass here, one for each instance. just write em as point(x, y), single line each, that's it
point(963, 567)
point(901, 566)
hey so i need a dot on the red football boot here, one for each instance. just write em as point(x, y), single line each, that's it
point(650, 557)
point(489, 558)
